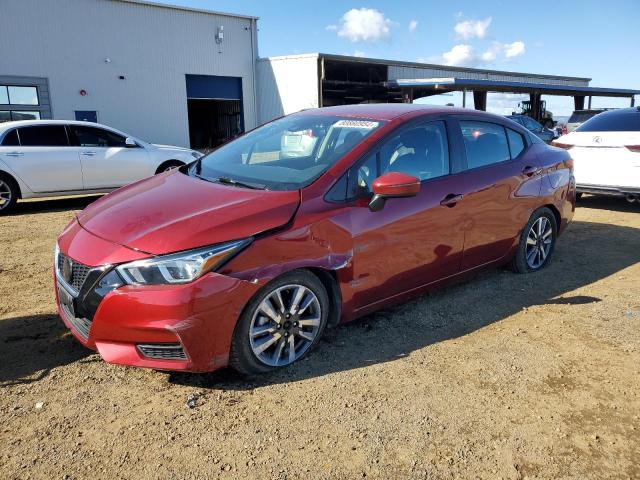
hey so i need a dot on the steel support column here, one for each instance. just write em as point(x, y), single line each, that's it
point(480, 100)
point(578, 102)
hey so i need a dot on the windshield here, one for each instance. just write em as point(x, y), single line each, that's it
point(624, 120)
point(286, 154)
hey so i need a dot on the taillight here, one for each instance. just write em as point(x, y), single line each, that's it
point(566, 146)
point(633, 148)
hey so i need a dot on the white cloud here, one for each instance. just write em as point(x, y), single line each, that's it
point(503, 50)
point(413, 24)
point(472, 28)
point(363, 25)
point(359, 53)
point(460, 56)
point(514, 49)
point(331, 28)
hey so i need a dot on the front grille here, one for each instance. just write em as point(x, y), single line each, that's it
point(78, 271)
point(163, 351)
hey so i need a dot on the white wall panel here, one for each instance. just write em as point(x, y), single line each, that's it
point(68, 41)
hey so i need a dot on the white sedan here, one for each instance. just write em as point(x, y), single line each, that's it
point(44, 158)
point(606, 154)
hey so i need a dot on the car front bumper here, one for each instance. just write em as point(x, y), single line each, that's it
point(197, 318)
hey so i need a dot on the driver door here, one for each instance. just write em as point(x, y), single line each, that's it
point(412, 241)
point(107, 162)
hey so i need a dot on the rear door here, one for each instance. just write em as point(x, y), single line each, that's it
point(107, 162)
point(500, 188)
point(42, 157)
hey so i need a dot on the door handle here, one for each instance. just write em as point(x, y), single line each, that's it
point(89, 153)
point(530, 171)
point(451, 200)
point(14, 154)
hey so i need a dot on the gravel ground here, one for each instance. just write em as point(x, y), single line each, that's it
point(505, 376)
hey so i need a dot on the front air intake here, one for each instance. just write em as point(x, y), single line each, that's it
point(162, 351)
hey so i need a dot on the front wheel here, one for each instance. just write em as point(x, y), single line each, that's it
point(537, 242)
point(280, 324)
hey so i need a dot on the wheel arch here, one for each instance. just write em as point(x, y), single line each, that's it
point(330, 281)
point(166, 163)
point(556, 214)
point(12, 179)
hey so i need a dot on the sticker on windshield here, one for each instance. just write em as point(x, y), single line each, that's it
point(364, 124)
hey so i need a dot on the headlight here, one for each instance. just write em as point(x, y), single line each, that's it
point(183, 267)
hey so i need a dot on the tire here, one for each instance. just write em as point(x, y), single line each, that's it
point(9, 193)
point(533, 257)
point(169, 165)
point(262, 339)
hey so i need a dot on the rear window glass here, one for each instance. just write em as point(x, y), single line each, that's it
point(43, 136)
point(615, 121)
point(485, 143)
point(582, 116)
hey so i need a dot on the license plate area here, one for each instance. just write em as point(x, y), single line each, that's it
point(66, 302)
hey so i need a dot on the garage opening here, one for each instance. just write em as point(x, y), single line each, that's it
point(214, 106)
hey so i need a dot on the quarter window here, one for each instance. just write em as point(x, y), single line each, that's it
point(96, 137)
point(516, 142)
point(43, 136)
point(11, 139)
point(485, 143)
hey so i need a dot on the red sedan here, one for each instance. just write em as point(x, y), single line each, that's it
point(244, 257)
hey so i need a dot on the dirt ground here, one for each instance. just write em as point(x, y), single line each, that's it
point(505, 376)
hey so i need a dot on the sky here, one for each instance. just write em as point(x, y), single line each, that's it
point(594, 39)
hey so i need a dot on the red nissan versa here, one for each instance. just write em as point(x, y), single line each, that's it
point(244, 257)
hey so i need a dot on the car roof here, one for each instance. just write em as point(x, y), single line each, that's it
point(389, 111)
point(31, 123)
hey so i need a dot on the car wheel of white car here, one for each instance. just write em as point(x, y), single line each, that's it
point(8, 193)
point(169, 165)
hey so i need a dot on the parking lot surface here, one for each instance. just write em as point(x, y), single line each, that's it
point(504, 376)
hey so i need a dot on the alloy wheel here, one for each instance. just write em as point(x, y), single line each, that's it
point(5, 195)
point(285, 325)
point(539, 242)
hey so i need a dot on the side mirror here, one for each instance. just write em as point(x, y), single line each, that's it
point(393, 185)
point(130, 143)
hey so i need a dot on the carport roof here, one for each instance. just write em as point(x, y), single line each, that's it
point(453, 83)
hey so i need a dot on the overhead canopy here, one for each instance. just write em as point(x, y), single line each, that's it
point(434, 86)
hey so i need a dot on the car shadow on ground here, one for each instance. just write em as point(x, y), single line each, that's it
point(603, 202)
point(587, 253)
point(52, 205)
point(31, 346)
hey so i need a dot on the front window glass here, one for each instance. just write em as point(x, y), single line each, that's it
point(286, 154)
point(485, 143)
point(23, 95)
point(96, 137)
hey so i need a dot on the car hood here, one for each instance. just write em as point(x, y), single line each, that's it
point(171, 147)
point(171, 212)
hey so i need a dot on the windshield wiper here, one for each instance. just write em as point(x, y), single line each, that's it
point(237, 183)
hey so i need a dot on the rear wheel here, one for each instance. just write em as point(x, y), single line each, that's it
point(8, 193)
point(280, 324)
point(537, 242)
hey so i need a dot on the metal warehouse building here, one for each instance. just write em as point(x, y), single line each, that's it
point(169, 75)
point(192, 77)
point(290, 83)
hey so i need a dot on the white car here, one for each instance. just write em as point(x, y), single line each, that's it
point(44, 158)
point(606, 154)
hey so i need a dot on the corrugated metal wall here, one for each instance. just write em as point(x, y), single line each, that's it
point(286, 85)
point(407, 72)
point(68, 41)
